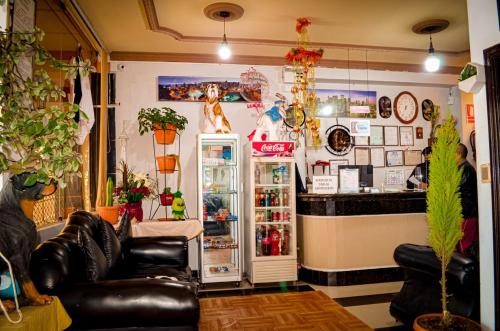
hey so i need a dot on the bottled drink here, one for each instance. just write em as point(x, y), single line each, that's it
point(262, 199)
point(279, 194)
point(273, 198)
point(285, 198)
point(258, 246)
point(268, 198)
point(257, 198)
point(269, 217)
point(285, 243)
point(257, 175)
point(285, 174)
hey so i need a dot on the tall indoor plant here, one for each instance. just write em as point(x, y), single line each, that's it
point(35, 139)
point(444, 215)
point(165, 122)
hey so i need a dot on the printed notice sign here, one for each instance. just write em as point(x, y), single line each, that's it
point(325, 184)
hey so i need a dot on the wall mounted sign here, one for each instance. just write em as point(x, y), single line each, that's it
point(359, 127)
point(273, 148)
point(406, 135)
point(377, 157)
point(391, 136)
point(394, 158)
point(412, 157)
point(376, 135)
point(185, 88)
point(345, 103)
point(394, 177)
point(334, 166)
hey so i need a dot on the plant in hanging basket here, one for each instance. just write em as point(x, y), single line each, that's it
point(444, 215)
point(164, 122)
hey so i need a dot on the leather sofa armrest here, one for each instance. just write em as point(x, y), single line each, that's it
point(131, 303)
point(461, 270)
point(167, 251)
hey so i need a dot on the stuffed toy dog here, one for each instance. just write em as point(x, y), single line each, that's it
point(215, 121)
point(18, 236)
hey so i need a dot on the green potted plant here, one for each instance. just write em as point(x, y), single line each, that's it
point(35, 139)
point(471, 78)
point(444, 215)
point(166, 197)
point(110, 211)
point(165, 122)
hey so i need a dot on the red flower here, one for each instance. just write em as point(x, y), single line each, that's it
point(302, 22)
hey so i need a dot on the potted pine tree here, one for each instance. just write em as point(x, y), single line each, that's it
point(444, 215)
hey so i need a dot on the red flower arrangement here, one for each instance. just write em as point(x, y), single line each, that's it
point(302, 22)
point(302, 55)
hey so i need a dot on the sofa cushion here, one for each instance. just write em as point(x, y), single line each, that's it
point(124, 228)
point(95, 263)
point(154, 271)
point(109, 243)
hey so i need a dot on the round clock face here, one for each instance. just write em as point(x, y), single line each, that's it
point(406, 107)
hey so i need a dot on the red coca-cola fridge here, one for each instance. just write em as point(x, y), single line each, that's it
point(270, 227)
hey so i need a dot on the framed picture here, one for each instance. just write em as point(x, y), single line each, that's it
point(376, 135)
point(394, 158)
point(361, 141)
point(359, 127)
point(394, 177)
point(391, 136)
point(419, 132)
point(377, 157)
point(406, 135)
point(361, 155)
point(334, 166)
point(412, 157)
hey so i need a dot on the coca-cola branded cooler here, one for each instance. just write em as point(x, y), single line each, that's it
point(270, 225)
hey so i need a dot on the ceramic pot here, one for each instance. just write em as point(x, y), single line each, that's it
point(166, 163)
point(134, 210)
point(164, 136)
point(109, 214)
point(467, 323)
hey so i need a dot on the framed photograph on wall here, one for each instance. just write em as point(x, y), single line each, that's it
point(391, 137)
point(361, 141)
point(377, 157)
point(406, 136)
point(412, 157)
point(334, 166)
point(376, 135)
point(361, 155)
point(394, 158)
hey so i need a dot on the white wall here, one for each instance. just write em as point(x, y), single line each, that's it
point(137, 87)
point(483, 33)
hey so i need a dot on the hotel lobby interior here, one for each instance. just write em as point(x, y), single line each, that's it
point(249, 165)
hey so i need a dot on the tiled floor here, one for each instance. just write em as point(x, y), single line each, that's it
point(369, 303)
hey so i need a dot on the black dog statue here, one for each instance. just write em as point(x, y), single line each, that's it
point(18, 236)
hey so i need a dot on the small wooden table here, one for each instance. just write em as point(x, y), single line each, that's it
point(190, 228)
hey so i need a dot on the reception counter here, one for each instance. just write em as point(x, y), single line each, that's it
point(347, 239)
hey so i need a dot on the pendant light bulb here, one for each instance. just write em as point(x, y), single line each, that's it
point(224, 49)
point(432, 62)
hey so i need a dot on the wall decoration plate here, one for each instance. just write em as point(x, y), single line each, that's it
point(406, 107)
point(427, 109)
point(384, 107)
point(339, 140)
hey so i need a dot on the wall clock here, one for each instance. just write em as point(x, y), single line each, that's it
point(339, 141)
point(406, 107)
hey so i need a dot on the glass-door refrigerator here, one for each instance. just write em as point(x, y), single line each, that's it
point(270, 233)
point(219, 208)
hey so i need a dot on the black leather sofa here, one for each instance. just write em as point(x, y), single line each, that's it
point(421, 291)
point(111, 282)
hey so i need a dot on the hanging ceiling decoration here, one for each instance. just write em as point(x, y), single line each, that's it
point(304, 96)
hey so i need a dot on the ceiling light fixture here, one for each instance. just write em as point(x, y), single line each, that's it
point(224, 49)
point(432, 62)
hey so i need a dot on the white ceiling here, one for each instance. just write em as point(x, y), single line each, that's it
point(380, 29)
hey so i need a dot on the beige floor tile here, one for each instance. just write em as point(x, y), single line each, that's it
point(359, 290)
point(375, 316)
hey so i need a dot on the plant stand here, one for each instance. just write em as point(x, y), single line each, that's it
point(159, 175)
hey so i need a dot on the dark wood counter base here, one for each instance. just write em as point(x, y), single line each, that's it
point(352, 277)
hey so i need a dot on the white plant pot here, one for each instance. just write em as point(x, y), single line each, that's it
point(475, 83)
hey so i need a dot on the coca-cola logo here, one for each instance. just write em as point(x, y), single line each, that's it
point(273, 148)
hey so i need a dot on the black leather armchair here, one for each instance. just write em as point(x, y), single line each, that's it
point(421, 291)
point(107, 284)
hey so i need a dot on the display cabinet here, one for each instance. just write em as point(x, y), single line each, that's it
point(270, 232)
point(219, 208)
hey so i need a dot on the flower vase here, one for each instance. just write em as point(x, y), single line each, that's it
point(134, 210)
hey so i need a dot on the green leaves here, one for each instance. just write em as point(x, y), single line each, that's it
point(34, 138)
point(150, 116)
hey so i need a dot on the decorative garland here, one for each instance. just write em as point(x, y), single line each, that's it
point(303, 89)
